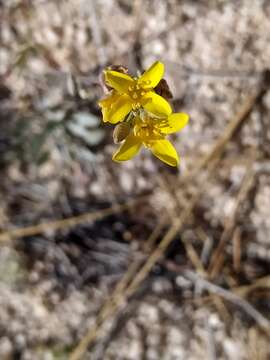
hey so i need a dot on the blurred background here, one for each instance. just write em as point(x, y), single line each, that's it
point(206, 294)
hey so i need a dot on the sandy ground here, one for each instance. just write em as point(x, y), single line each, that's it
point(55, 157)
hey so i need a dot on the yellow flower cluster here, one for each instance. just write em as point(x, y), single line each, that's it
point(143, 116)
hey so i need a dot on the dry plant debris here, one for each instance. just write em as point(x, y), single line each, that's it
point(135, 260)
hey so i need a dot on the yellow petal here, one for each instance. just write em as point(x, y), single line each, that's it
point(128, 149)
point(118, 81)
point(105, 114)
point(107, 103)
point(165, 152)
point(119, 109)
point(109, 100)
point(156, 104)
point(153, 75)
point(174, 122)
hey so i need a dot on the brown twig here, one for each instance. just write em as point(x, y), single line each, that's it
point(211, 161)
point(218, 258)
point(237, 253)
point(234, 125)
point(69, 222)
point(120, 298)
point(117, 298)
point(262, 283)
point(231, 297)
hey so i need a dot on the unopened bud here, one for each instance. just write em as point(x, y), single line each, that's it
point(120, 132)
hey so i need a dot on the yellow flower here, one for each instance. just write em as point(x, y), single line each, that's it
point(151, 132)
point(132, 94)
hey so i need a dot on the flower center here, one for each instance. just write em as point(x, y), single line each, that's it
point(137, 91)
point(148, 130)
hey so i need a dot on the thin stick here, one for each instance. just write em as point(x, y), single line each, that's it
point(121, 298)
point(118, 297)
point(106, 312)
point(231, 297)
point(217, 259)
point(179, 203)
point(174, 229)
point(237, 253)
point(244, 291)
point(69, 222)
point(149, 244)
point(230, 130)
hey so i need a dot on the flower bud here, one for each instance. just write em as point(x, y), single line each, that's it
point(120, 132)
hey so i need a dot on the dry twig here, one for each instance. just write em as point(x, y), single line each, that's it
point(113, 303)
point(211, 161)
point(237, 253)
point(218, 258)
point(231, 297)
point(234, 125)
point(69, 222)
point(120, 298)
